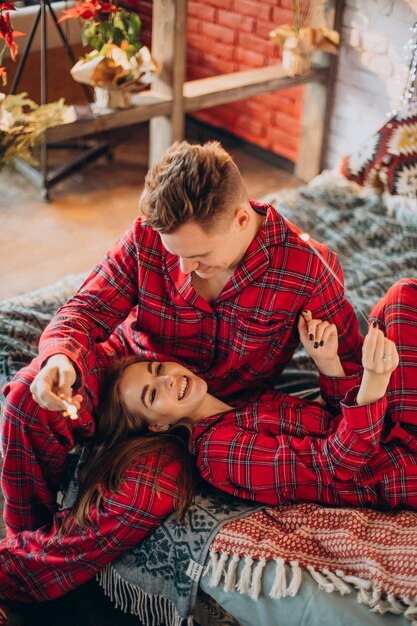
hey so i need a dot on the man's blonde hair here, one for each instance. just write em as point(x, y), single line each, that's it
point(199, 183)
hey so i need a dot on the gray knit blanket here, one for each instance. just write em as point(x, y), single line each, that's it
point(158, 579)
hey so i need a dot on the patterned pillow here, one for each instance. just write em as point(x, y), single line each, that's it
point(388, 159)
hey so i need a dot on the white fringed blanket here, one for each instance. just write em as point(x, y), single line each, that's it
point(343, 549)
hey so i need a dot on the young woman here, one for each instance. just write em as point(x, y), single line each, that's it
point(359, 451)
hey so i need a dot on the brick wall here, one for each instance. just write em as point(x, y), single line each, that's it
point(371, 71)
point(231, 35)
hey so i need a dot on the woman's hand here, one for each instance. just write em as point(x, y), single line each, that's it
point(54, 383)
point(320, 341)
point(379, 354)
point(379, 360)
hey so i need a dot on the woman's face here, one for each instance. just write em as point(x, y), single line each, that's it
point(162, 393)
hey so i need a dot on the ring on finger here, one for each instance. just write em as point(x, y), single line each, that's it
point(387, 357)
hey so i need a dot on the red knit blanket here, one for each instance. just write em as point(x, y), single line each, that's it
point(372, 551)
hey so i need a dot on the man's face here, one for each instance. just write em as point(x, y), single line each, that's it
point(207, 253)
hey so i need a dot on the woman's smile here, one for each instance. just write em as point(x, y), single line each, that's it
point(185, 388)
point(162, 392)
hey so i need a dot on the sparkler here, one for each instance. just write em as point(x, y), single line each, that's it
point(306, 237)
point(71, 410)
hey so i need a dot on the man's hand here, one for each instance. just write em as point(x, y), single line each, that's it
point(54, 382)
point(320, 341)
point(379, 360)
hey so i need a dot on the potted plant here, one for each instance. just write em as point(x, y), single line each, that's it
point(118, 64)
point(304, 36)
point(23, 123)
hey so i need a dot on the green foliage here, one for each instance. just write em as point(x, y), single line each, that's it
point(121, 28)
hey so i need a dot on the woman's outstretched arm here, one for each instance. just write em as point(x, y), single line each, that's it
point(46, 563)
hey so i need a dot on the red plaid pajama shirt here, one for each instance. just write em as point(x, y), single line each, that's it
point(137, 301)
point(283, 449)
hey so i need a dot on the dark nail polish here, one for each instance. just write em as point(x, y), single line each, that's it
point(375, 324)
point(305, 311)
point(316, 345)
point(322, 343)
point(311, 337)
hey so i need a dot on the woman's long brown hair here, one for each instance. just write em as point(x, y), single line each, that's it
point(121, 439)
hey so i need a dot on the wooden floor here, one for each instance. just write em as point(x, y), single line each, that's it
point(41, 242)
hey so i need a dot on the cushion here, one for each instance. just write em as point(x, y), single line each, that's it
point(388, 159)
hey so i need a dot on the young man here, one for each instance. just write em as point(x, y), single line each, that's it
point(205, 278)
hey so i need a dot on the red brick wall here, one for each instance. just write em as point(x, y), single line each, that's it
point(231, 35)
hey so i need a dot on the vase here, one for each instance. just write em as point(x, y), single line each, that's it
point(112, 98)
point(294, 62)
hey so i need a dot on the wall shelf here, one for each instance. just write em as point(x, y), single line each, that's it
point(152, 104)
point(172, 97)
point(197, 95)
point(208, 92)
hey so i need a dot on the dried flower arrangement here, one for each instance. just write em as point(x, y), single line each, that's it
point(301, 39)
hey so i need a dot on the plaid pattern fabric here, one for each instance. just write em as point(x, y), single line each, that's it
point(46, 563)
point(285, 449)
point(138, 301)
point(241, 342)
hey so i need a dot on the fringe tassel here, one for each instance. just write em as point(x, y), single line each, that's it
point(213, 561)
point(376, 596)
point(383, 606)
point(411, 612)
point(396, 606)
point(250, 582)
point(218, 570)
point(279, 587)
point(354, 580)
point(256, 586)
point(338, 583)
point(230, 578)
point(322, 582)
point(213, 557)
point(152, 610)
point(243, 585)
point(295, 580)
point(364, 596)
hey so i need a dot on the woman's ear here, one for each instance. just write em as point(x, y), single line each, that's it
point(159, 428)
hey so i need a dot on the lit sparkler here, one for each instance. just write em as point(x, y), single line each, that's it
point(71, 410)
point(306, 237)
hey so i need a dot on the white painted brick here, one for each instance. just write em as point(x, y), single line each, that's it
point(356, 19)
point(393, 90)
point(354, 37)
point(377, 64)
point(380, 7)
point(363, 80)
point(397, 34)
point(373, 42)
point(405, 12)
point(371, 70)
point(332, 160)
point(354, 4)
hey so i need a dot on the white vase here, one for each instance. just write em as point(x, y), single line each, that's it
point(293, 61)
point(112, 98)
